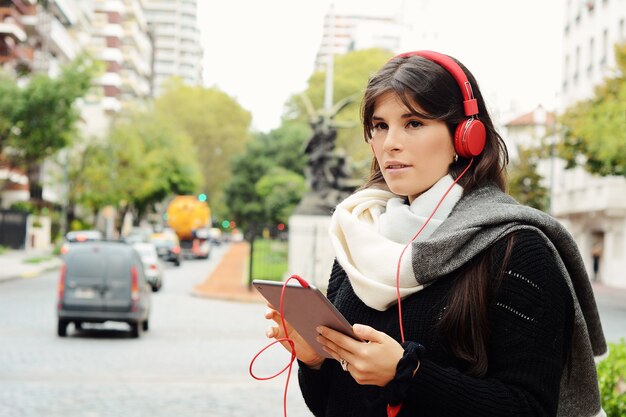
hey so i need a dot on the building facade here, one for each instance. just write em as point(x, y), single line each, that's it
point(177, 48)
point(593, 207)
point(119, 38)
point(343, 33)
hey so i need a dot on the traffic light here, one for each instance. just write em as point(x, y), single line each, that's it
point(280, 227)
point(225, 224)
point(202, 197)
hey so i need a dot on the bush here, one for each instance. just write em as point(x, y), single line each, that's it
point(24, 206)
point(612, 380)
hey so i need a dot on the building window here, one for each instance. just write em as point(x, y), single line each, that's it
point(591, 56)
point(576, 65)
point(605, 47)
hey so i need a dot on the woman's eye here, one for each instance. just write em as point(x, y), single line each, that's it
point(414, 123)
point(380, 126)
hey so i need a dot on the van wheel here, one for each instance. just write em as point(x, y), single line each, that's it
point(135, 330)
point(145, 326)
point(62, 328)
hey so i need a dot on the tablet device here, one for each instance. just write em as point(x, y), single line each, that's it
point(305, 309)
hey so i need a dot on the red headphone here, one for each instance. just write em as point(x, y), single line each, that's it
point(470, 135)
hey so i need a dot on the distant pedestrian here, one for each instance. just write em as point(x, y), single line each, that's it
point(596, 254)
point(472, 304)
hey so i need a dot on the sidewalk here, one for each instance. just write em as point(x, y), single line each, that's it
point(17, 264)
point(229, 280)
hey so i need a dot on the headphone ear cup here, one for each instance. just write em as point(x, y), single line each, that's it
point(469, 138)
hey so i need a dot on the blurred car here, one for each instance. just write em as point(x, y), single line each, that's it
point(80, 236)
point(100, 282)
point(215, 234)
point(151, 264)
point(168, 247)
point(137, 235)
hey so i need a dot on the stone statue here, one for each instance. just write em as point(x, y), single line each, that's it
point(327, 172)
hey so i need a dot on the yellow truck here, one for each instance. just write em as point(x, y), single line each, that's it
point(190, 219)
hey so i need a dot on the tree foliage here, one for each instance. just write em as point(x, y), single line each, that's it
point(524, 183)
point(217, 125)
point(594, 130)
point(268, 177)
point(142, 161)
point(39, 119)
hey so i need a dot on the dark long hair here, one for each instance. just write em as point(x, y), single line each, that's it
point(420, 81)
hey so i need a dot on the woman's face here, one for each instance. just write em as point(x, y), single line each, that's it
point(413, 153)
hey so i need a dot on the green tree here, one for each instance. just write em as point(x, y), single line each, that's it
point(280, 190)
point(594, 130)
point(43, 117)
point(524, 183)
point(142, 161)
point(218, 126)
point(251, 193)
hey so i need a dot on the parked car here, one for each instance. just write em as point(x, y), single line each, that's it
point(168, 247)
point(151, 264)
point(103, 281)
point(79, 236)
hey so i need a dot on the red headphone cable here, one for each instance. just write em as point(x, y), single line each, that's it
point(287, 339)
point(393, 410)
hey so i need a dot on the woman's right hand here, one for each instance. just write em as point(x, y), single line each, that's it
point(304, 352)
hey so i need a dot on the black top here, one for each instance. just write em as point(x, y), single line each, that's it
point(530, 319)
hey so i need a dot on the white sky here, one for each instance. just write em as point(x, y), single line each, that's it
point(261, 52)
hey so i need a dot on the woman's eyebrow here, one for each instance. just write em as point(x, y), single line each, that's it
point(404, 116)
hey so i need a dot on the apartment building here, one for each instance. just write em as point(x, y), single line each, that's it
point(119, 38)
point(593, 207)
point(177, 48)
point(343, 33)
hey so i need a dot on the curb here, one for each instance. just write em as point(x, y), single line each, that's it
point(34, 272)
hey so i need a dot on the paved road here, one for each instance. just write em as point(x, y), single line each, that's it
point(192, 362)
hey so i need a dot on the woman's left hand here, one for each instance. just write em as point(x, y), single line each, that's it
point(370, 363)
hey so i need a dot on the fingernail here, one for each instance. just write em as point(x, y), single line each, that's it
point(318, 329)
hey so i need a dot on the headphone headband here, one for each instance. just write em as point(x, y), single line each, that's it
point(470, 105)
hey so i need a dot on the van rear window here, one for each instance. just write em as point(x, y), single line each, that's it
point(94, 262)
point(86, 265)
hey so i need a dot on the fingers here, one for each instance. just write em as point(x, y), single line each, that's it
point(369, 333)
point(337, 344)
point(273, 332)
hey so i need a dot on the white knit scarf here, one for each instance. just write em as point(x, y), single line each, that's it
point(370, 229)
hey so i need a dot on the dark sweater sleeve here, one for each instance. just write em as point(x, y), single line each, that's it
point(530, 326)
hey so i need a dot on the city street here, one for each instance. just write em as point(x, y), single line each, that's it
point(192, 362)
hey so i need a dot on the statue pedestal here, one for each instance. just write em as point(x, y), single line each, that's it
point(310, 252)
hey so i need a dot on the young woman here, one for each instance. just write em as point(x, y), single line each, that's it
point(471, 304)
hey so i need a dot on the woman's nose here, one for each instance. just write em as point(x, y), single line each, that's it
point(393, 140)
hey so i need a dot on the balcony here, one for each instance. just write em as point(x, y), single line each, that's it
point(62, 40)
point(584, 193)
point(64, 10)
point(10, 24)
